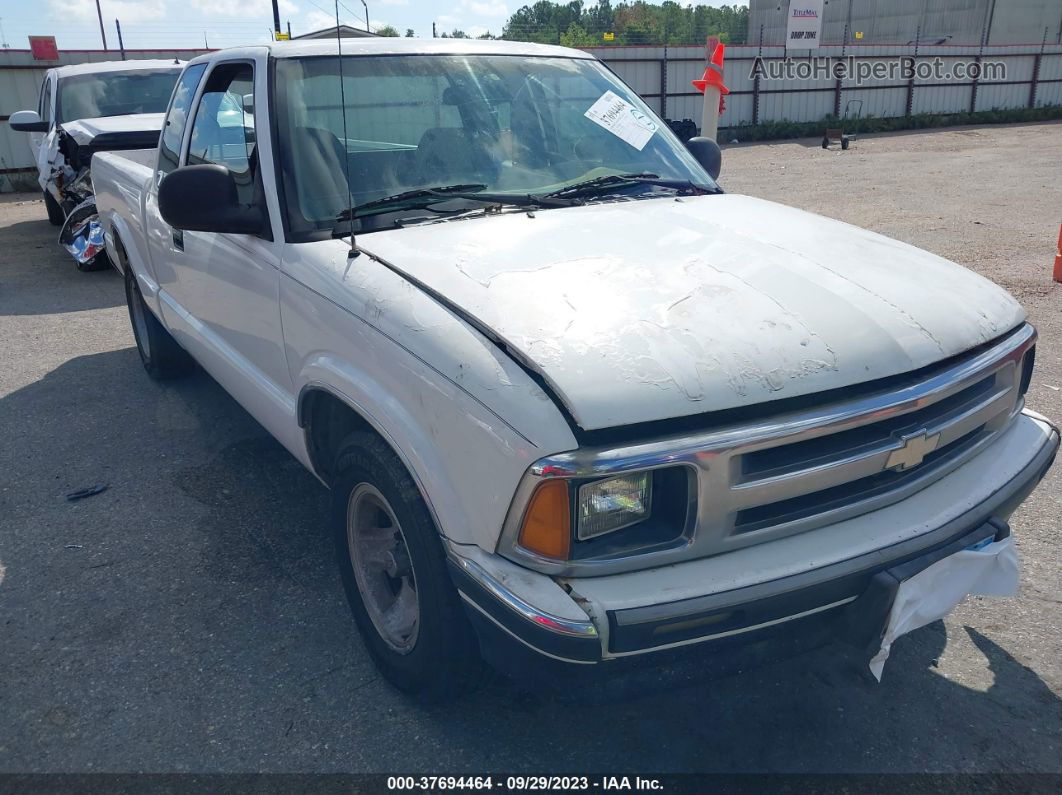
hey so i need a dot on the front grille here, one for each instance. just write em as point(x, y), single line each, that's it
point(878, 454)
point(775, 461)
point(831, 499)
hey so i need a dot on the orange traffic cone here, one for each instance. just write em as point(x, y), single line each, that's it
point(1058, 258)
point(713, 73)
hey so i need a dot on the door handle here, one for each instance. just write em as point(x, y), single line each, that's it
point(178, 239)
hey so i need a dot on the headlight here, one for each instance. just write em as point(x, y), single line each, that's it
point(578, 519)
point(609, 505)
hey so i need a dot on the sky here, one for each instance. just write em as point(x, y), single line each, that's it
point(152, 24)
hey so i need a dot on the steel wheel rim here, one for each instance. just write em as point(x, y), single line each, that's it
point(140, 331)
point(382, 568)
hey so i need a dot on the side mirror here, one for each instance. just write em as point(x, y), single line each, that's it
point(204, 199)
point(27, 121)
point(708, 154)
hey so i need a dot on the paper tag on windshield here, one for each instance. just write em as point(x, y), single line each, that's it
point(622, 119)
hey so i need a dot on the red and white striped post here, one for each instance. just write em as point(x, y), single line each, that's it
point(1058, 258)
point(711, 85)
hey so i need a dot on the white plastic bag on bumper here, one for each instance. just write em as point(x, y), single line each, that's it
point(934, 592)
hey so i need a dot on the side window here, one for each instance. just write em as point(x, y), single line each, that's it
point(46, 101)
point(223, 131)
point(177, 118)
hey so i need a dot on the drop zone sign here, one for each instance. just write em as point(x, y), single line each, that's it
point(804, 26)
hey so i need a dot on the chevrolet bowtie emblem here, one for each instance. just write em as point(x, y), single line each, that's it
point(916, 447)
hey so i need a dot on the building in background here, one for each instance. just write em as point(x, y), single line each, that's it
point(927, 21)
point(345, 32)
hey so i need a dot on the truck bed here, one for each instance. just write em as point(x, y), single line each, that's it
point(119, 180)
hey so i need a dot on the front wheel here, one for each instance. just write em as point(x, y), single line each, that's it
point(395, 576)
point(162, 357)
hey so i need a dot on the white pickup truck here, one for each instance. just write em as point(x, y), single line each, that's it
point(576, 406)
point(83, 109)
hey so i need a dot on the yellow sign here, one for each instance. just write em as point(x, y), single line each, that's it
point(282, 36)
point(859, 34)
point(608, 36)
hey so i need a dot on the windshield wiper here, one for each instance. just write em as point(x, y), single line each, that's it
point(425, 197)
point(610, 182)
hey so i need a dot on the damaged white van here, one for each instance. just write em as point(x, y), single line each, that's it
point(577, 407)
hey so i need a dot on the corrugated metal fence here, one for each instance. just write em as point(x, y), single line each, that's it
point(662, 77)
point(20, 85)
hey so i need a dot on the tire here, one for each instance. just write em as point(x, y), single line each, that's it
point(56, 216)
point(163, 358)
point(825, 143)
point(436, 655)
point(844, 143)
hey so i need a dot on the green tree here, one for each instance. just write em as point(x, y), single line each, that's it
point(632, 22)
point(576, 36)
point(387, 30)
point(409, 33)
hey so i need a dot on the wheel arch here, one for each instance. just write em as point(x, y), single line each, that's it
point(327, 416)
point(116, 234)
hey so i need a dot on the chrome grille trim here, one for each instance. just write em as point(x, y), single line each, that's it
point(723, 490)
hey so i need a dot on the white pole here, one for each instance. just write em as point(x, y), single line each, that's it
point(710, 113)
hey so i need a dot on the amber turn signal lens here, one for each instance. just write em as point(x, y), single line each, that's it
point(546, 529)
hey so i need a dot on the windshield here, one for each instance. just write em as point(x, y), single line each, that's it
point(115, 93)
point(511, 124)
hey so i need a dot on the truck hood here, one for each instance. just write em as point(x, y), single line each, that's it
point(659, 308)
point(85, 130)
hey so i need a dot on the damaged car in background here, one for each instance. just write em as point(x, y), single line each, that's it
point(578, 407)
point(84, 109)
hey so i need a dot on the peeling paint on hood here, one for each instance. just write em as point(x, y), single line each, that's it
point(647, 310)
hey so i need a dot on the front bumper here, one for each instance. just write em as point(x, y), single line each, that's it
point(840, 598)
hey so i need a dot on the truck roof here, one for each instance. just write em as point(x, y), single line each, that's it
point(99, 67)
point(400, 46)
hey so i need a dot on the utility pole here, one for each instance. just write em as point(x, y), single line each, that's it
point(433, 30)
point(289, 28)
point(3, 38)
point(366, 17)
point(103, 33)
point(121, 44)
point(276, 20)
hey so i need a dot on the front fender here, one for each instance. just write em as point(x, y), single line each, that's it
point(465, 459)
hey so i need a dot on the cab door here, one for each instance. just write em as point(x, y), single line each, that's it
point(223, 289)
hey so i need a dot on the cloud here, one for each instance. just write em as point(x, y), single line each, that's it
point(314, 20)
point(125, 10)
point(485, 8)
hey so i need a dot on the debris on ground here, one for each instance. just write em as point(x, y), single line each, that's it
point(89, 491)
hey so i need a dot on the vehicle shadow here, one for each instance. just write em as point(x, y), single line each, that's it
point(37, 277)
point(198, 595)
